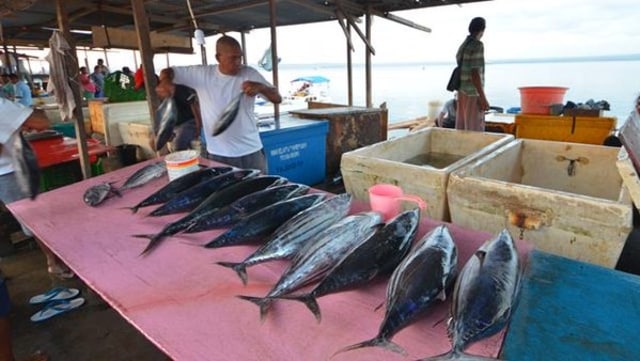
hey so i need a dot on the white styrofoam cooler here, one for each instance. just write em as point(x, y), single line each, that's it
point(386, 162)
point(140, 134)
point(567, 197)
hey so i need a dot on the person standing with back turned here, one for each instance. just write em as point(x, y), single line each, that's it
point(472, 102)
point(216, 85)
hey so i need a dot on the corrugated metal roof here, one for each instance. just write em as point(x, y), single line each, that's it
point(25, 21)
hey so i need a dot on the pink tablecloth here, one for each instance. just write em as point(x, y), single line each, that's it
point(185, 304)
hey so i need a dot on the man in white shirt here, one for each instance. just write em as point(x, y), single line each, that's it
point(216, 86)
point(15, 118)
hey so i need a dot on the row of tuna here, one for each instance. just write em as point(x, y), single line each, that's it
point(338, 251)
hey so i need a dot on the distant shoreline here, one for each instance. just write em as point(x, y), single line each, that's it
point(575, 59)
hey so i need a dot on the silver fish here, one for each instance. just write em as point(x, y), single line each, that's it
point(380, 254)
point(165, 121)
point(287, 240)
point(229, 114)
point(418, 281)
point(26, 166)
point(320, 255)
point(144, 175)
point(99, 193)
point(483, 296)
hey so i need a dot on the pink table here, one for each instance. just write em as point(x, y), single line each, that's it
point(185, 304)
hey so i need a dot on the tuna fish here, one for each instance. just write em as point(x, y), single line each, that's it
point(243, 207)
point(165, 121)
point(320, 255)
point(483, 296)
point(289, 238)
point(191, 197)
point(380, 254)
point(26, 167)
point(144, 175)
point(262, 223)
point(99, 193)
point(185, 182)
point(211, 204)
point(420, 279)
point(229, 114)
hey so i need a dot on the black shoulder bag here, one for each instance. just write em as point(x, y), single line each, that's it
point(454, 81)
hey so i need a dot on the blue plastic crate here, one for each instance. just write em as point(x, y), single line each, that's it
point(297, 150)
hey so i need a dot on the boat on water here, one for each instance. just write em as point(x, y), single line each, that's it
point(301, 91)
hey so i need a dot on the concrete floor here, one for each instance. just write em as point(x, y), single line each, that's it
point(93, 332)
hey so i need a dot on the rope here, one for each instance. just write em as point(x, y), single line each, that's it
point(193, 18)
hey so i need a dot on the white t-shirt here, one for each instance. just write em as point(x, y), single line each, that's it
point(12, 117)
point(215, 91)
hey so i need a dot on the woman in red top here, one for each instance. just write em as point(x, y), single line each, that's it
point(88, 86)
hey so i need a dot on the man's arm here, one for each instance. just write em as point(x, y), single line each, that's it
point(252, 88)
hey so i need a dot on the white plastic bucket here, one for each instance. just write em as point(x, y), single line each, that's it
point(181, 163)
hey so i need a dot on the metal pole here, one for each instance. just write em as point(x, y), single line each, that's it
point(274, 58)
point(349, 69)
point(368, 60)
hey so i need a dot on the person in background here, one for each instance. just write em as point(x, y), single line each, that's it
point(447, 116)
point(102, 68)
point(138, 79)
point(126, 71)
point(216, 85)
point(15, 118)
point(187, 128)
point(22, 91)
point(98, 79)
point(6, 87)
point(88, 87)
point(472, 102)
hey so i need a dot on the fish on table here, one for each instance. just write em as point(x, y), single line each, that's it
point(180, 184)
point(320, 255)
point(98, 193)
point(378, 255)
point(145, 175)
point(290, 237)
point(484, 296)
point(415, 285)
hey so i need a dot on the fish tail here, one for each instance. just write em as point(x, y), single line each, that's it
point(154, 240)
point(240, 268)
point(263, 302)
point(374, 342)
point(309, 301)
point(456, 355)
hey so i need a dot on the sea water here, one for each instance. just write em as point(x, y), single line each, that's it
point(407, 88)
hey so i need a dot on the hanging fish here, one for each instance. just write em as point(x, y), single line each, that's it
point(165, 121)
point(415, 285)
point(483, 296)
point(229, 114)
point(25, 165)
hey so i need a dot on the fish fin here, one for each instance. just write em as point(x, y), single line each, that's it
point(240, 268)
point(263, 302)
point(133, 209)
point(309, 301)
point(374, 342)
point(153, 243)
point(457, 355)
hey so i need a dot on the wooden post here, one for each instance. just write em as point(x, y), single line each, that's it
point(146, 54)
point(74, 83)
point(274, 58)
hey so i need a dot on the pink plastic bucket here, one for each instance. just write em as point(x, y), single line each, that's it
point(385, 199)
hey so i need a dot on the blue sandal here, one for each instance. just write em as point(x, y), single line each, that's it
point(55, 308)
point(58, 293)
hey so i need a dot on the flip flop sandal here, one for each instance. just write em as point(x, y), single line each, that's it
point(55, 308)
point(58, 293)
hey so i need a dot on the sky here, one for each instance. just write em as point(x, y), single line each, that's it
point(516, 29)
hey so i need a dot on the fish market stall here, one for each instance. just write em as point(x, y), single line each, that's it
point(186, 305)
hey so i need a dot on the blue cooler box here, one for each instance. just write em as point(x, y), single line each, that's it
point(297, 150)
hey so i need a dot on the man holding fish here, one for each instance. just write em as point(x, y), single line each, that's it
point(16, 118)
point(237, 142)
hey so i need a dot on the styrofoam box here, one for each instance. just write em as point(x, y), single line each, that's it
point(567, 197)
point(139, 134)
point(386, 162)
point(106, 116)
